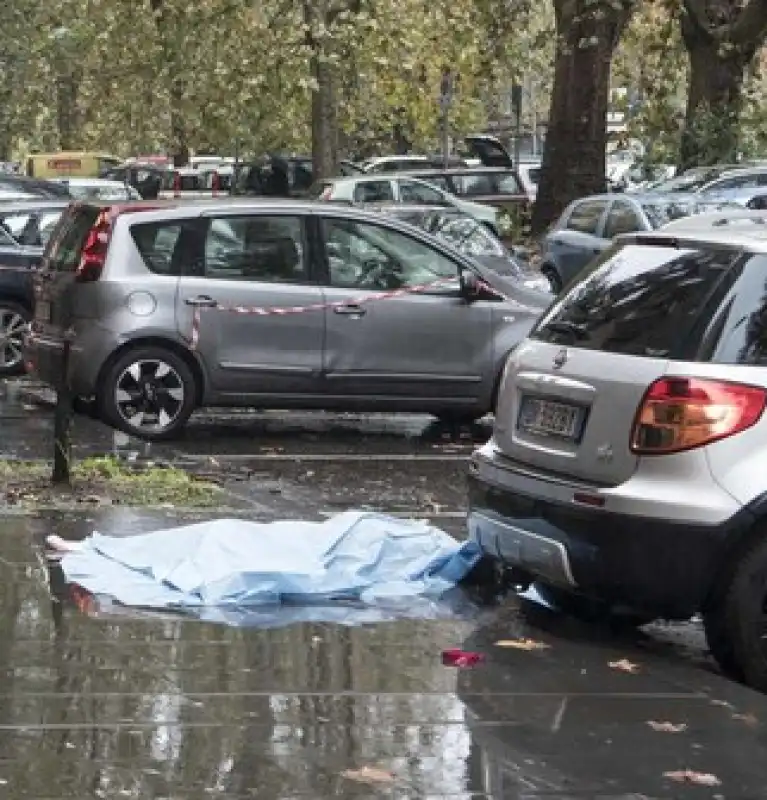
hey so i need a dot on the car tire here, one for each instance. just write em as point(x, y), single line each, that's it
point(588, 609)
point(552, 276)
point(13, 321)
point(148, 392)
point(734, 623)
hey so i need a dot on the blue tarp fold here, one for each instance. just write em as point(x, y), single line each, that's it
point(230, 564)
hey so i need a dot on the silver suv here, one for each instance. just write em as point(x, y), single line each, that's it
point(627, 471)
point(282, 304)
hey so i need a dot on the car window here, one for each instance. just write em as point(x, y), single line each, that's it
point(373, 192)
point(367, 256)
point(411, 192)
point(644, 300)
point(507, 184)
point(468, 236)
point(156, 241)
point(622, 218)
point(741, 182)
point(439, 181)
point(585, 217)
point(474, 185)
point(31, 229)
point(256, 248)
point(68, 237)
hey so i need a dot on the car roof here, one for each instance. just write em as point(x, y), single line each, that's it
point(41, 203)
point(455, 171)
point(753, 237)
point(716, 219)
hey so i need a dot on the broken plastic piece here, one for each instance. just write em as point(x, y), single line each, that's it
point(455, 657)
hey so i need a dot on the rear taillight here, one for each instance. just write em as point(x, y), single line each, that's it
point(679, 414)
point(94, 252)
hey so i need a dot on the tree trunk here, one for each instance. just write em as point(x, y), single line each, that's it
point(722, 38)
point(324, 119)
point(67, 116)
point(574, 156)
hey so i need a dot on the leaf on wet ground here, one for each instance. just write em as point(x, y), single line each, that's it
point(529, 645)
point(747, 719)
point(690, 776)
point(624, 665)
point(371, 775)
point(667, 727)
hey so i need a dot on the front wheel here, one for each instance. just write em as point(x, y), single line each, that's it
point(13, 323)
point(736, 622)
point(148, 392)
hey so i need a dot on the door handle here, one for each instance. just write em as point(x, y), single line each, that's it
point(351, 310)
point(201, 301)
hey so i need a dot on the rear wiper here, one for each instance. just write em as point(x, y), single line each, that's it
point(567, 328)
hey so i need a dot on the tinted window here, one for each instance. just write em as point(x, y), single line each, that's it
point(365, 256)
point(411, 192)
point(621, 219)
point(585, 217)
point(156, 241)
point(68, 237)
point(643, 300)
point(373, 192)
point(256, 248)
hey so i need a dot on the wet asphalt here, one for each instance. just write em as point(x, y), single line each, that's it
point(112, 703)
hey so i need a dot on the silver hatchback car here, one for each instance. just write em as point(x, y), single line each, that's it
point(627, 468)
point(277, 304)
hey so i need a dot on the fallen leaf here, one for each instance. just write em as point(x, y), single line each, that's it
point(690, 776)
point(368, 775)
point(747, 719)
point(624, 665)
point(667, 727)
point(522, 644)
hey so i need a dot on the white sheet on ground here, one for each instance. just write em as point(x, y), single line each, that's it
point(235, 563)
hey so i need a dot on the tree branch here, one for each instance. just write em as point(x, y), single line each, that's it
point(747, 29)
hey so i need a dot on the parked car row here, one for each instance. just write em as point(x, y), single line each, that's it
point(623, 475)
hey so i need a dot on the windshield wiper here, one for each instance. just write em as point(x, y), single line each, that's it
point(567, 328)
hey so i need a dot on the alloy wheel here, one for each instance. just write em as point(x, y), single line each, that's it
point(149, 395)
point(12, 327)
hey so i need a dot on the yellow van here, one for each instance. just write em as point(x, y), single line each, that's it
point(70, 164)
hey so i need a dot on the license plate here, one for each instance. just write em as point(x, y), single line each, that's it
point(43, 310)
point(546, 418)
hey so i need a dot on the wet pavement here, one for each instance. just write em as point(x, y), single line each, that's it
point(155, 706)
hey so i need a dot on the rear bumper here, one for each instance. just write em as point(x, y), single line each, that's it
point(663, 567)
point(44, 360)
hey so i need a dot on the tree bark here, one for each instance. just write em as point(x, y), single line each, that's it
point(721, 38)
point(324, 119)
point(574, 156)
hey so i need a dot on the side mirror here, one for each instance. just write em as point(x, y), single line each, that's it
point(469, 284)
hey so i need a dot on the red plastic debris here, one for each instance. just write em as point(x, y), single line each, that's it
point(455, 657)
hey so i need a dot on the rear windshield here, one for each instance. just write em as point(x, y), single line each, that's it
point(666, 302)
point(68, 238)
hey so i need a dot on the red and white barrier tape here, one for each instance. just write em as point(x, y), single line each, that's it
point(267, 311)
